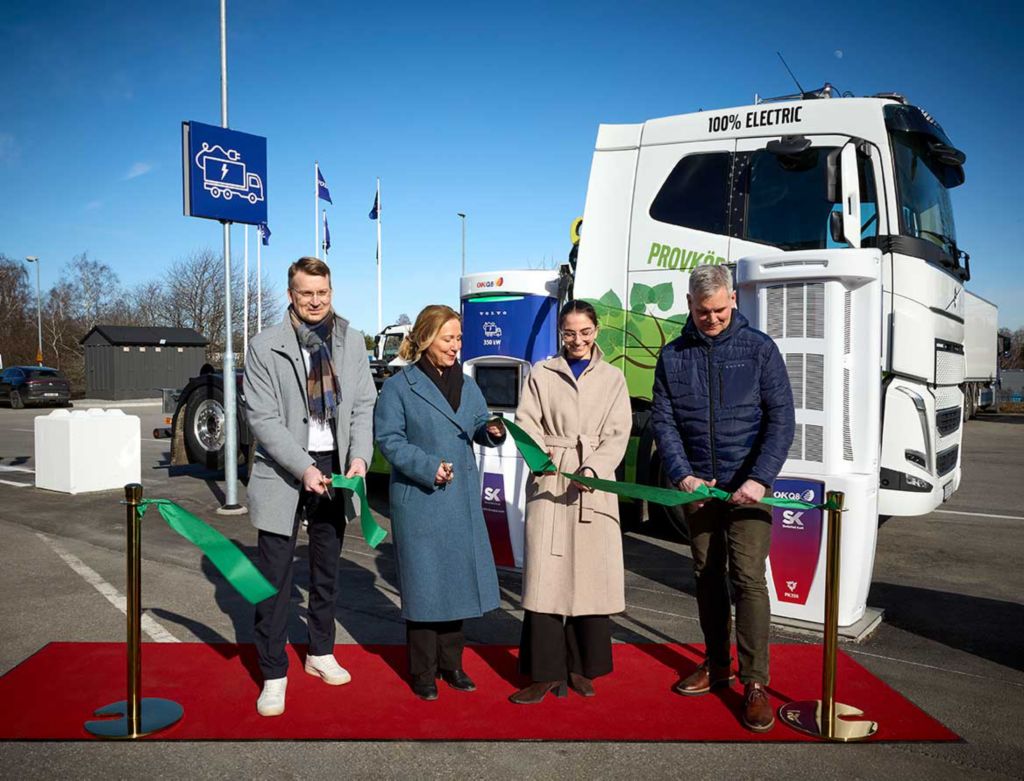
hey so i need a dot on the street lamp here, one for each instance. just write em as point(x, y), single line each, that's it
point(39, 308)
point(463, 217)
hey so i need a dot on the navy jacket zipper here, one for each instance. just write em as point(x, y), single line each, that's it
point(711, 414)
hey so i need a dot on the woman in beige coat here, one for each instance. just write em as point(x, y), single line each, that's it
point(576, 407)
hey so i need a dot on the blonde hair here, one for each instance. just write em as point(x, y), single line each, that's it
point(428, 325)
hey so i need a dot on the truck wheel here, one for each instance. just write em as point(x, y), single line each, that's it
point(215, 192)
point(228, 195)
point(204, 427)
point(252, 198)
point(16, 401)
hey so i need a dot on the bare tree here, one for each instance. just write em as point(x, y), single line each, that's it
point(403, 319)
point(17, 313)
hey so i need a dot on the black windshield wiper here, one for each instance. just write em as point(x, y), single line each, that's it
point(961, 259)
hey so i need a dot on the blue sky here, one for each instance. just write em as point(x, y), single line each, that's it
point(488, 109)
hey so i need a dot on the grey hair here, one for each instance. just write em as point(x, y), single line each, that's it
point(705, 280)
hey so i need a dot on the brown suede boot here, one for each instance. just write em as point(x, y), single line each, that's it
point(705, 678)
point(758, 715)
point(535, 692)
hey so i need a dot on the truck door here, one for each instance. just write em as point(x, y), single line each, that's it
point(679, 221)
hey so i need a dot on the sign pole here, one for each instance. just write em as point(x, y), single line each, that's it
point(245, 297)
point(259, 283)
point(231, 505)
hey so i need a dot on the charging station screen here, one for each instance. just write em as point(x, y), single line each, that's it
point(516, 326)
point(499, 384)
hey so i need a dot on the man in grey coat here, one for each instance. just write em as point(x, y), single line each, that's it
point(309, 399)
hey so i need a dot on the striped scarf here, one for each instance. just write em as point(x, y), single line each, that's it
point(321, 384)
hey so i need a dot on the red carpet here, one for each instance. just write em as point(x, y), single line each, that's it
point(52, 693)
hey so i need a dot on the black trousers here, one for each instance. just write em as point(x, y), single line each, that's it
point(433, 646)
point(552, 646)
point(276, 560)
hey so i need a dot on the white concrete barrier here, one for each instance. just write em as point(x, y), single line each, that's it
point(87, 450)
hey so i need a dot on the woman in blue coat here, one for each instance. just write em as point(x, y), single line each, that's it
point(427, 418)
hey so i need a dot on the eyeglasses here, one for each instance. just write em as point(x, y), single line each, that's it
point(586, 333)
point(309, 295)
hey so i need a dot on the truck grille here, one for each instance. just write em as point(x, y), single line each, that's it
point(947, 421)
point(949, 363)
point(945, 461)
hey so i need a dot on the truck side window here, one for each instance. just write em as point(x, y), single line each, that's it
point(696, 194)
point(787, 200)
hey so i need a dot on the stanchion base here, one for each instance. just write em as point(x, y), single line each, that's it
point(805, 716)
point(154, 715)
point(232, 509)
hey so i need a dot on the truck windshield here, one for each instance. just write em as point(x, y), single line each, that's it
point(391, 344)
point(926, 211)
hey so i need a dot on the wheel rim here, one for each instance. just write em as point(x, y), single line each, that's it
point(15, 399)
point(208, 425)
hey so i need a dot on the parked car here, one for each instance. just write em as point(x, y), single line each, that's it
point(21, 385)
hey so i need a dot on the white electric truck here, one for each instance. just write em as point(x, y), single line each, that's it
point(837, 215)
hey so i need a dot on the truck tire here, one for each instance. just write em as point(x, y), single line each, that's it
point(204, 427)
point(16, 401)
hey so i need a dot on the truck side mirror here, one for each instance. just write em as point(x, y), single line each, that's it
point(850, 184)
point(835, 227)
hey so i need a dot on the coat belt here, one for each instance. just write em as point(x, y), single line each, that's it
point(584, 444)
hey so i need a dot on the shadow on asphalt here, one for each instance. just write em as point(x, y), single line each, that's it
point(1017, 419)
point(989, 628)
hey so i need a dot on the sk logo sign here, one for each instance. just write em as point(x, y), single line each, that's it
point(791, 519)
point(492, 494)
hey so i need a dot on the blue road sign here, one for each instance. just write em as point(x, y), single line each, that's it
point(224, 174)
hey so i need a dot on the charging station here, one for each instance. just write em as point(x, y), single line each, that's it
point(509, 322)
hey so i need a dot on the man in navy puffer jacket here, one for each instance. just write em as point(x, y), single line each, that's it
point(723, 416)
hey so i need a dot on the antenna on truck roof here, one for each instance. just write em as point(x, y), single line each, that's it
point(791, 75)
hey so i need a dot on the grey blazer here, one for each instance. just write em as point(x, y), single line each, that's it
point(275, 403)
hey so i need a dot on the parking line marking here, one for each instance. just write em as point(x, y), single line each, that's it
point(16, 485)
point(981, 515)
point(930, 667)
point(149, 625)
point(6, 468)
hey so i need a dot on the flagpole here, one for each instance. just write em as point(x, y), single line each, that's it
point(259, 283)
point(326, 250)
point(316, 205)
point(245, 296)
point(380, 260)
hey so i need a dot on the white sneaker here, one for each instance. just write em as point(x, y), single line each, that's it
point(328, 669)
point(271, 701)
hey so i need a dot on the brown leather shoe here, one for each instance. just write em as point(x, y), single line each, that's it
point(535, 692)
point(758, 715)
point(582, 685)
point(705, 678)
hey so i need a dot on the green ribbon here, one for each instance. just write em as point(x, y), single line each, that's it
point(539, 462)
point(222, 552)
point(372, 532)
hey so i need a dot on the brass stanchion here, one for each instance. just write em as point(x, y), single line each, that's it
point(138, 716)
point(820, 717)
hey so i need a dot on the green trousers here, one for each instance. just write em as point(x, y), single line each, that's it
point(730, 545)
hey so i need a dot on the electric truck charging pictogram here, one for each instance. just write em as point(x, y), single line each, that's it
point(225, 175)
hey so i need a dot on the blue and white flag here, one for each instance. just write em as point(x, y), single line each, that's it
point(321, 187)
point(327, 234)
point(375, 211)
point(264, 230)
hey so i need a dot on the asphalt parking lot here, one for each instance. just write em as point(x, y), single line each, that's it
point(952, 640)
